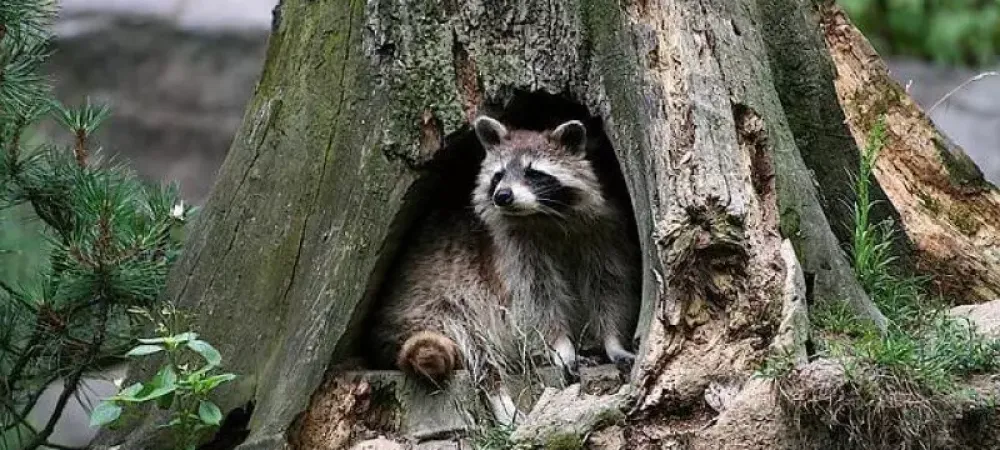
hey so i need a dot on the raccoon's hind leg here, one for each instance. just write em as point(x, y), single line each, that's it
point(429, 354)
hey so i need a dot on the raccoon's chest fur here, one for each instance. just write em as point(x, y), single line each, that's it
point(560, 276)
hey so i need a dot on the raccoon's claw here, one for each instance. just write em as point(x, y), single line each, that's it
point(572, 370)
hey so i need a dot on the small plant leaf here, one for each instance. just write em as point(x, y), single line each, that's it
point(128, 394)
point(206, 351)
point(184, 337)
point(158, 340)
point(144, 350)
point(209, 413)
point(172, 423)
point(105, 413)
point(162, 384)
point(212, 382)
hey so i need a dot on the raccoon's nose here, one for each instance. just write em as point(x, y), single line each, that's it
point(503, 197)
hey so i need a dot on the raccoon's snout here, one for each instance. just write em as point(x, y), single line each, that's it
point(503, 197)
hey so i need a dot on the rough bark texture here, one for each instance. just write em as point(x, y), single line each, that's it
point(362, 104)
point(947, 208)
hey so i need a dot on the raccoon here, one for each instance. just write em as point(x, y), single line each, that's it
point(541, 247)
point(562, 244)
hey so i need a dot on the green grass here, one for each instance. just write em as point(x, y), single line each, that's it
point(493, 438)
point(923, 343)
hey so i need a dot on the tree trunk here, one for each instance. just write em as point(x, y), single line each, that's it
point(721, 114)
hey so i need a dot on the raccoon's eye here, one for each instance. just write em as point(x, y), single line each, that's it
point(533, 174)
point(497, 176)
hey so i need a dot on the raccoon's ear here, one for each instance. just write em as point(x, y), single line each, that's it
point(489, 131)
point(571, 135)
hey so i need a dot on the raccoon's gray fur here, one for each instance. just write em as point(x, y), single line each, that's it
point(542, 252)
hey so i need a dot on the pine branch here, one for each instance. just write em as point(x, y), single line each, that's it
point(73, 382)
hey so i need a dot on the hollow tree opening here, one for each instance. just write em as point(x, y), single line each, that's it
point(448, 180)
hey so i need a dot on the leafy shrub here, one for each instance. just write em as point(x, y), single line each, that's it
point(182, 385)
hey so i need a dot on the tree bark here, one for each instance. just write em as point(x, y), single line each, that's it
point(361, 105)
point(947, 208)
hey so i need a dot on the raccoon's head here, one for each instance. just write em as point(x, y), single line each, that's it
point(530, 175)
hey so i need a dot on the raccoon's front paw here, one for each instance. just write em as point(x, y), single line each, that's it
point(622, 359)
point(564, 356)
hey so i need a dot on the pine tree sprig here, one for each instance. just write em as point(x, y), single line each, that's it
point(27, 19)
point(82, 122)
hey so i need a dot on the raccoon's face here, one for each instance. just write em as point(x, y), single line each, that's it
point(535, 174)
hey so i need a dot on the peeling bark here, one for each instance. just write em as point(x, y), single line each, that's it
point(948, 210)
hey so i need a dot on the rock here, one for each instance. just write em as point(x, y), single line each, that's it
point(985, 317)
point(601, 380)
point(564, 418)
point(752, 421)
point(377, 444)
point(610, 438)
point(443, 445)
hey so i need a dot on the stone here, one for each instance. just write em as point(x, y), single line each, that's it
point(985, 317)
point(443, 445)
point(377, 444)
point(562, 417)
point(601, 380)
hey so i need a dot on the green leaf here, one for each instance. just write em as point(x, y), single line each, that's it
point(172, 423)
point(144, 350)
point(212, 382)
point(155, 392)
point(128, 394)
point(105, 413)
point(177, 338)
point(184, 337)
point(164, 383)
point(209, 413)
point(206, 351)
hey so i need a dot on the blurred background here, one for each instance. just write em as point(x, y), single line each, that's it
point(178, 74)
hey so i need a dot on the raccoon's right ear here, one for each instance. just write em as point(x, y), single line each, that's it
point(489, 131)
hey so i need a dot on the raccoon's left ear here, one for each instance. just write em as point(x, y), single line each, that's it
point(489, 131)
point(571, 135)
